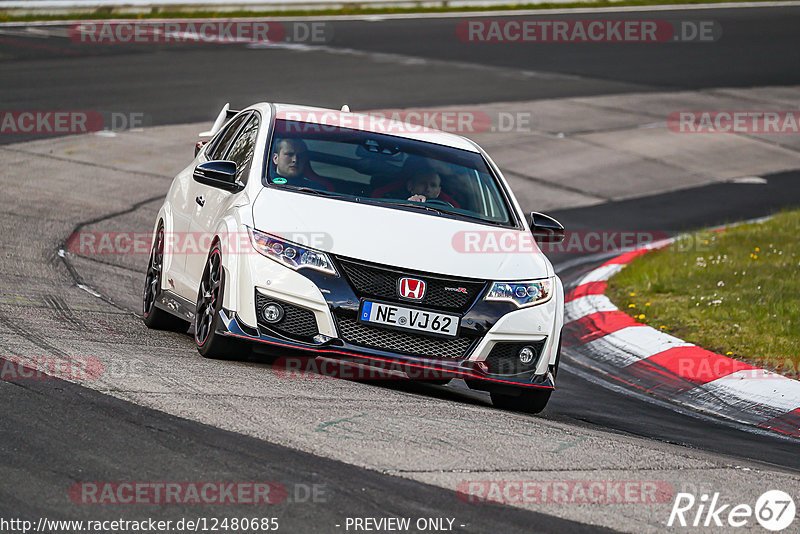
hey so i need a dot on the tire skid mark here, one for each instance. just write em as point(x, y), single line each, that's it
point(37, 340)
point(180, 386)
point(63, 312)
point(64, 255)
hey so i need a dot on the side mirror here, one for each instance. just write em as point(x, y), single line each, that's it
point(546, 229)
point(220, 174)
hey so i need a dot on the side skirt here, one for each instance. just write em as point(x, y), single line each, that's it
point(176, 305)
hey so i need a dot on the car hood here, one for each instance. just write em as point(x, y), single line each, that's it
point(400, 238)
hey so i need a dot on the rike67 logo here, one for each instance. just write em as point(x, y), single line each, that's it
point(774, 510)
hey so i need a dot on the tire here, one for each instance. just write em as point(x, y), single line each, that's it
point(206, 317)
point(155, 317)
point(526, 401)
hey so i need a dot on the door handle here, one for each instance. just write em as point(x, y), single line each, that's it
point(200, 200)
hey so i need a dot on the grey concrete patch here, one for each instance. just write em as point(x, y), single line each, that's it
point(604, 172)
point(567, 116)
point(789, 141)
point(708, 156)
point(161, 151)
point(658, 106)
point(786, 97)
point(584, 150)
point(538, 194)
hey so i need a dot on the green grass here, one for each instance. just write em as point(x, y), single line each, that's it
point(354, 9)
point(735, 292)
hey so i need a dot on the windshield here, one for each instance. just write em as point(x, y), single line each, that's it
point(384, 169)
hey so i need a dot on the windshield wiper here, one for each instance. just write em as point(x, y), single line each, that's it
point(311, 190)
point(481, 219)
point(415, 205)
point(441, 212)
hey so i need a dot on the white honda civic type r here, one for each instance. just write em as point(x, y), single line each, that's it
point(368, 241)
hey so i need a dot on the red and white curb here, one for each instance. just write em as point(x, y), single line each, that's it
point(670, 368)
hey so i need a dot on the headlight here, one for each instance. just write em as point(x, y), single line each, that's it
point(523, 294)
point(290, 254)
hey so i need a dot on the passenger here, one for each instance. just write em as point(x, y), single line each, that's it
point(425, 185)
point(422, 182)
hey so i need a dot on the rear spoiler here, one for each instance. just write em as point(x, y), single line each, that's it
point(224, 116)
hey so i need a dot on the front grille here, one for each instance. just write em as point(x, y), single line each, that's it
point(381, 282)
point(503, 359)
point(297, 322)
point(363, 335)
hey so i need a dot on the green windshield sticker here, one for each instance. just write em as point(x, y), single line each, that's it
point(279, 180)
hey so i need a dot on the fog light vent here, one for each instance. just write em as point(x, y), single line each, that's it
point(272, 312)
point(527, 354)
point(514, 358)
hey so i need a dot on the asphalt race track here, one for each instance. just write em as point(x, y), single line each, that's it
point(179, 83)
point(373, 450)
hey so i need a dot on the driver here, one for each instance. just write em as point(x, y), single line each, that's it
point(290, 158)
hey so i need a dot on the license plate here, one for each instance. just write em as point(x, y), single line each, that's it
point(409, 319)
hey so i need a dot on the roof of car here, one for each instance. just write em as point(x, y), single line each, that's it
point(372, 123)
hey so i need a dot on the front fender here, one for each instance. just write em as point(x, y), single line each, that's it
point(233, 241)
point(165, 215)
point(558, 323)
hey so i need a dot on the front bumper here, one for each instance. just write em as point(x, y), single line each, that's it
point(330, 300)
point(427, 368)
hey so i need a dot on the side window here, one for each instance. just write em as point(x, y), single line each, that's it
point(492, 210)
point(242, 148)
point(224, 138)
